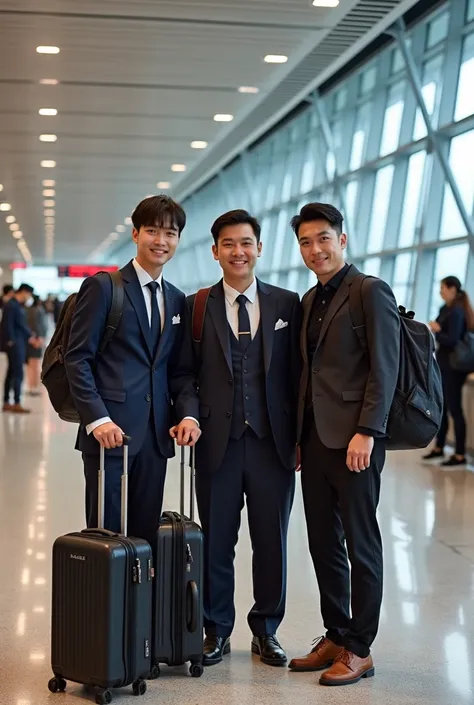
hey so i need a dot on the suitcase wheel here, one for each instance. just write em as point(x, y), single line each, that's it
point(57, 685)
point(139, 687)
point(196, 670)
point(103, 697)
point(154, 673)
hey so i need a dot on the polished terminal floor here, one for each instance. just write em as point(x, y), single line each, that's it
point(425, 649)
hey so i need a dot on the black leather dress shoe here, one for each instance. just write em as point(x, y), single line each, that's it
point(215, 647)
point(269, 650)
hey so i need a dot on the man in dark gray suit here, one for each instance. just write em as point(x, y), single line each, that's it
point(248, 369)
point(345, 397)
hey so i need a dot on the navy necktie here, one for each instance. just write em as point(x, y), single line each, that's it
point(155, 327)
point(245, 336)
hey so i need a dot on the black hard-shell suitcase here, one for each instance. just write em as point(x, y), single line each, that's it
point(102, 605)
point(178, 602)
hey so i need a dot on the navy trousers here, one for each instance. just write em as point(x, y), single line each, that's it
point(14, 376)
point(147, 472)
point(251, 470)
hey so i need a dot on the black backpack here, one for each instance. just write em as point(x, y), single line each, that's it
point(53, 372)
point(417, 407)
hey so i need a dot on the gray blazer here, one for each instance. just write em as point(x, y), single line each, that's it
point(351, 387)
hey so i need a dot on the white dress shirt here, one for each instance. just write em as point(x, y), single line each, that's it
point(252, 306)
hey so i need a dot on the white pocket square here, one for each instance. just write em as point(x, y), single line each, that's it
point(176, 320)
point(280, 324)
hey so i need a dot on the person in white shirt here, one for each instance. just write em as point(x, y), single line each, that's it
point(137, 386)
point(247, 365)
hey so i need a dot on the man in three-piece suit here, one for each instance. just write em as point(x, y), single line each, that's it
point(345, 397)
point(136, 386)
point(248, 368)
point(14, 336)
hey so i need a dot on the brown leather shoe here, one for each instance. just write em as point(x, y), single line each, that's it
point(347, 669)
point(19, 409)
point(7, 407)
point(322, 656)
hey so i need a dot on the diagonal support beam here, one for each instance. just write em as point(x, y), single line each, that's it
point(398, 32)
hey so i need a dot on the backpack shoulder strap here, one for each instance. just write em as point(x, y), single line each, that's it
point(199, 313)
point(356, 309)
point(116, 309)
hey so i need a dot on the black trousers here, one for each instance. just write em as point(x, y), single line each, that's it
point(251, 469)
point(340, 508)
point(147, 472)
point(453, 382)
point(13, 377)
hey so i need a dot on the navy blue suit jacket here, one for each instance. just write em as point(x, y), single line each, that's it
point(126, 382)
point(282, 361)
point(15, 329)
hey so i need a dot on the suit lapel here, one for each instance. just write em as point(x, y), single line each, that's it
point(135, 294)
point(168, 298)
point(341, 296)
point(217, 312)
point(267, 304)
point(308, 306)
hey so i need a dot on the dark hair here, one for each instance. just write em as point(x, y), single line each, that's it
point(25, 287)
point(159, 211)
point(237, 217)
point(36, 300)
point(7, 288)
point(318, 211)
point(462, 299)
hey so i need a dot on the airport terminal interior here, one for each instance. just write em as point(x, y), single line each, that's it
point(264, 105)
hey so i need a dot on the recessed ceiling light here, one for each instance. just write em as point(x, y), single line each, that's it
point(48, 192)
point(178, 167)
point(49, 204)
point(49, 211)
point(48, 111)
point(248, 89)
point(49, 82)
point(10, 218)
point(128, 220)
point(48, 163)
point(5, 207)
point(199, 144)
point(49, 221)
point(223, 117)
point(120, 228)
point(163, 184)
point(14, 226)
point(325, 3)
point(114, 236)
point(17, 235)
point(48, 138)
point(48, 182)
point(48, 50)
point(276, 59)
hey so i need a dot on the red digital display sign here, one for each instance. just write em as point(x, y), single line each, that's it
point(83, 270)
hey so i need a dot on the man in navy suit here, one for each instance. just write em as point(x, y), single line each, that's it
point(137, 385)
point(15, 335)
point(248, 368)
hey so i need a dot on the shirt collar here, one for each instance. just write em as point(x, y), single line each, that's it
point(144, 278)
point(231, 294)
point(336, 280)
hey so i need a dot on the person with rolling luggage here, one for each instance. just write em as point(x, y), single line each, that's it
point(247, 365)
point(102, 602)
point(136, 384)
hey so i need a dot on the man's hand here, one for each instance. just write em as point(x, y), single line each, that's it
point(359, 452)
point(186, 433)
point(109, 435)
point(434, 326)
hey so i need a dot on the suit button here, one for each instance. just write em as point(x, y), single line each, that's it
point(231, 381)
point(148, 397)
point(245, 371)
point(153, 369)
point(247, 397)
point(246, 357)
point(228, 414)
point(314, 370)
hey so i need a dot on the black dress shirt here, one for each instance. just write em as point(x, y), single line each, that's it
point(322, 301)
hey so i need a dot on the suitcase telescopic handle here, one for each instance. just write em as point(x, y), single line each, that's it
point(124, 493)
point(191, 482)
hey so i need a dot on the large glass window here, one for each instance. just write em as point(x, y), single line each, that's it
point(412, 200)
point(470, 11)
point(438, 29)
point(381, 203)
point(449, 260)
point(403, 278)
point(465, 97)
point(431, 81)
point(393, 118)
point(359, 139)
point(461, 158)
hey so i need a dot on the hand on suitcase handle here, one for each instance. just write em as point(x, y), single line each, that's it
point(109, 435)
